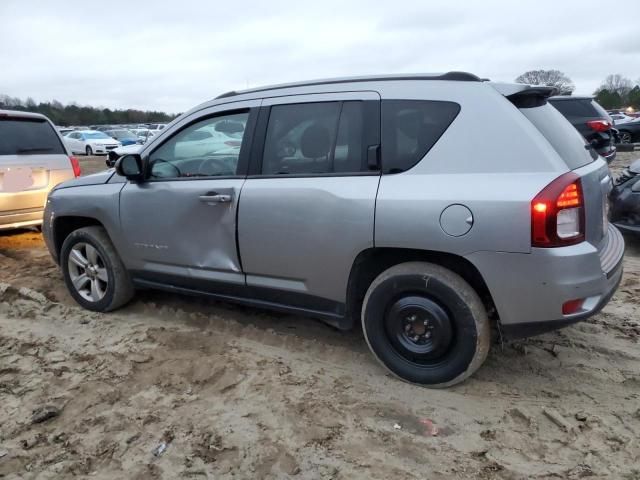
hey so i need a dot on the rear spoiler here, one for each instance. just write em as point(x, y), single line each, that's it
point(525, 96)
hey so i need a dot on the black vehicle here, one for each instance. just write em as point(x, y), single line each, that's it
point(629, 132)
point(591, 120)
point(625, 200)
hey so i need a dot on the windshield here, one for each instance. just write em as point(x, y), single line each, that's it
point(96, 135)
point(20, 136)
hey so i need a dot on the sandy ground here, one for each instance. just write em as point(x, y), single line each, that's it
point(176, 387)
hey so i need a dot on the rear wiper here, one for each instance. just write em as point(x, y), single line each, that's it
point(32, 150)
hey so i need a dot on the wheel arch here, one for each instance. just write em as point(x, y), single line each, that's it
point(371, 262)
point(63, 226)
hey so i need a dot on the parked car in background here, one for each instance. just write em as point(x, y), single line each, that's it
point(116, 153)
point(625, 200)
point(377, 200)
point(591, 120)
point(629, 131)
point(145, 135)
point(156, 126)
point(619, 118)
point(64, 130)
point(125, 137)
point(33, 159)
point(90, 142)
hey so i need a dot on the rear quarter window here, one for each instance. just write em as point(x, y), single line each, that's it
point(22, 136)
point(562, 136)
point(410, 128)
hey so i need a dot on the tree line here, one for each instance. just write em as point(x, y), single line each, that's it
point(616, 91)
point(73, 114)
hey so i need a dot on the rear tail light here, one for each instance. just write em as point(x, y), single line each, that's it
point(557, 213)
point(75, 164)
point(599, 125)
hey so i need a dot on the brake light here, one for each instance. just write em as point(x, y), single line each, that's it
point(75, 164)
point(599, 125)
point(557, 213)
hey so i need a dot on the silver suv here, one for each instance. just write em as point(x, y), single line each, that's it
point(33, 159)
point(426, 207)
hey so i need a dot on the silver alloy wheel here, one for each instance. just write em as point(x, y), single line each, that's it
point(625, 137)
point(88, 272)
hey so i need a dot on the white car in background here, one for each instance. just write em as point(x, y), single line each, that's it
point(619, 118)
point(145, 134)
point(90, 142)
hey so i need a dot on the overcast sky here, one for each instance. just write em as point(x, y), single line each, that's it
point(173, 54)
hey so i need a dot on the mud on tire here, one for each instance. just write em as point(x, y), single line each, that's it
point(92, 245)
point(426, 324)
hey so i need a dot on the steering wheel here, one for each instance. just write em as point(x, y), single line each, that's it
point(221, 167)
point(162, 164)
point(287, 149)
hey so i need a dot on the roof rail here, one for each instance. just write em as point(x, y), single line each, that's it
point(451, 76)
point(227, 94)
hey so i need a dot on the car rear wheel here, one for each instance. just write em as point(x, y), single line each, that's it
point(625, 137)
point(89, 151)
point(93, 271)
point(426, 324)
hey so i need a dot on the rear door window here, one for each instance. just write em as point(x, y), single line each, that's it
point(318, 138)
point(22, 136)
point(410, 128)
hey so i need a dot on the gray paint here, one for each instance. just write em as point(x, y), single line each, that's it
point(302, 234)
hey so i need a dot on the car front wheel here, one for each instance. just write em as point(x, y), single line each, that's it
point(89, 151)
point(426, 324)
point(93, 271)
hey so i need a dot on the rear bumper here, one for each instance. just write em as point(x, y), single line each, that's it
point(21, 218)
point(529, 290)
point(521, 330)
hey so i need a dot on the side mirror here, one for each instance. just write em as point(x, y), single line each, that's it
point(131, 167)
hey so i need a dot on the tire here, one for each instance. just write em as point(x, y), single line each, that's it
point(107, 284)
point(426, 324)
point(625, 137)
point(88, 151)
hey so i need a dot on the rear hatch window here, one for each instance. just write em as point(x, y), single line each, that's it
point(28, 136)
point(562, 136)
point(578, 108)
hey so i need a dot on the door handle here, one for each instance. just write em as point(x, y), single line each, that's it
point(213, 197)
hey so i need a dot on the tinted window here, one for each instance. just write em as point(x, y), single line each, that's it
point(410, 128)
point(576, 108)
point(26, 136)
point(315, 138)
point(600, 111)
point(205, 149)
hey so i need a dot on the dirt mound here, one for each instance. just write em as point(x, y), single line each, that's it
point(175, 387)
